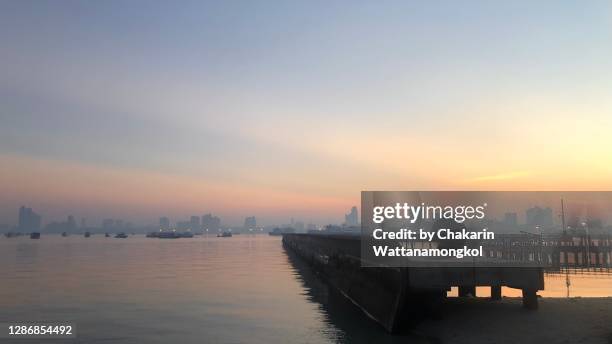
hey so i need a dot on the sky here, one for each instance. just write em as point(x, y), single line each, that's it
point(282, 109)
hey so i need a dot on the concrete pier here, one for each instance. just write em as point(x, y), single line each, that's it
point(399, 297)
point(467, 290)
point(496, 292)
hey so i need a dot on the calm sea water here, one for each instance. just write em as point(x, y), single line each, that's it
point(244, 289)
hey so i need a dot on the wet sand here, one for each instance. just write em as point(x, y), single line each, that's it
point(558, 320)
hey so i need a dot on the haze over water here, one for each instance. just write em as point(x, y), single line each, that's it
point(205, 289)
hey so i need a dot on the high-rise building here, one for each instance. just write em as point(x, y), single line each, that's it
point(29, 221)
point(250, 222)
point(183, 225)
point(211, 223)
point(537, 216)
point(195, 223)
point(108, 224)
point(71, 224)
point(299, 226)
point(510, 219)
point(68, 226)
point(164, 223)
point(351, 219)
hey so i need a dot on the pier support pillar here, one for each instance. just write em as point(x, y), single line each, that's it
point(465, 290)
point(530, 299)
point(496, 292)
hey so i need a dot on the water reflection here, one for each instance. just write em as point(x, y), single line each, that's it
point(139, 290)
point(352, 324)
point(245, 289)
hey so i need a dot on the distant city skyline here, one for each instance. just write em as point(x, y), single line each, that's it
point(28, 220)
point(136, 110)
point(535, 215)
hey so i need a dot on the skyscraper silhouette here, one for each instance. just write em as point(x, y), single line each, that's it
point(29, 221)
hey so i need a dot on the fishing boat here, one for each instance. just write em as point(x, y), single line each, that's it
point(186, 234)
point(35, 235)
point(168, 235)
point(121, 235)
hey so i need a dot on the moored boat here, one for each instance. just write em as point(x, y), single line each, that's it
point(186, 234)
point(168, 235)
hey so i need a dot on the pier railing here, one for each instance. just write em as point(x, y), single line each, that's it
point(557, 253)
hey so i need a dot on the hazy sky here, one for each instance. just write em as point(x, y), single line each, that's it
point(278, 109)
